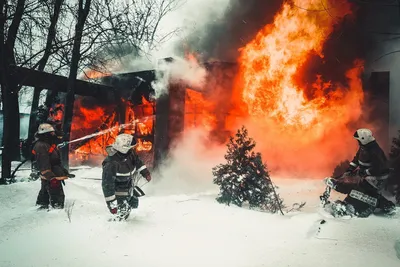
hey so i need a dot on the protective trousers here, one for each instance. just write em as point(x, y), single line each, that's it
point(51, 193)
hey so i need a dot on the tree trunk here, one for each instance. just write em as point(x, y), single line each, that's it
point(2, 76)
point(11, 150)
point(9, 89)
point(70, 96)
point(33, 123)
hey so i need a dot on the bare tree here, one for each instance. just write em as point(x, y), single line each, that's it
point(2, 61)
point(9, 87)
point(39, 34)
point(48, 50)
point(121, 30)
point(83, 12)
point(28, 41)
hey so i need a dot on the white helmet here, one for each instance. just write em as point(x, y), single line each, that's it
point(45, 128)
point(124, 142)
point(364, 136)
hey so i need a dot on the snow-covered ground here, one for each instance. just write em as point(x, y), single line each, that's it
point(177, 227)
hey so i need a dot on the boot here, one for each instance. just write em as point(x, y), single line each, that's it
point(389, 208)
point(386, 207)
point(124, 210)
point(134, 202)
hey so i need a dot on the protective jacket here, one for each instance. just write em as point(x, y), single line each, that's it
point(118, 172)
point(371, 158)
point(48, 160)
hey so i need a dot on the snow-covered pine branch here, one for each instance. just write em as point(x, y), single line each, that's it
point(245, 178)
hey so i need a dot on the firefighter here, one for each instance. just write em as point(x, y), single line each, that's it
point(35, 174)
point(119, 168)
point(372, 168)
point(52, 173)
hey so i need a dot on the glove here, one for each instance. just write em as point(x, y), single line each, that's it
point(351, 174)
point(69, 175)
point(54, 183)
point(330, 182)
point(47, 175)
point(351, 171)
point(362, 172)
point(146, 174)
point(112, 206)
point(148, 177)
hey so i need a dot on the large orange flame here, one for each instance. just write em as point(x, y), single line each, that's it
point(297, 134)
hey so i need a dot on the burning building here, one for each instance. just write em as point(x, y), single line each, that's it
point(156, 123)
point(298, 102)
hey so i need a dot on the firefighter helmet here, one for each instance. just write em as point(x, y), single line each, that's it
point(124, 142)
point(45, 128)
point(364, 136)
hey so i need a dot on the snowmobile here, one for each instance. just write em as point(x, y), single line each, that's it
point(342, 209)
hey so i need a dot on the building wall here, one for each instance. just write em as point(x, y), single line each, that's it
point(379, 21)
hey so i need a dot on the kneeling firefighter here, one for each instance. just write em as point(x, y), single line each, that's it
point(119, 168)
point(51, 171)
point(364, 196)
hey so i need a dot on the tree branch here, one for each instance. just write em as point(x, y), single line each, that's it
point(13, 30)
point(51, 34)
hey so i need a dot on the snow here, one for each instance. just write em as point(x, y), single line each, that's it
point(186, 229)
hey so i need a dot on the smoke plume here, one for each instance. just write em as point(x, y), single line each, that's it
point(186, 71)
point(221, 36)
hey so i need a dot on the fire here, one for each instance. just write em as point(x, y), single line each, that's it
point(198, 111)
point(144, 145)
point(90, 74)
point(143, 128)
point(96, 119)
point(88, 118)
point(56, 112)
point(298, 133)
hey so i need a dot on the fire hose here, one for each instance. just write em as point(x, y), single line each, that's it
point(122, 126)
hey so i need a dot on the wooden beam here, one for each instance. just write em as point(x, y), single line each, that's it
point(34, 78)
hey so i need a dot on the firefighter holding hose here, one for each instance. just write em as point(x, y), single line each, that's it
point(52, 173)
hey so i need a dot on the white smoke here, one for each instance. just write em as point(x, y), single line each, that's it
point(193, 17)
point(188, 168)
point(179, 70)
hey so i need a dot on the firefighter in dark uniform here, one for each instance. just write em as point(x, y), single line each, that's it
point(119, 168)
point(52, 173)
point(372, 167)
point(35, 174)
